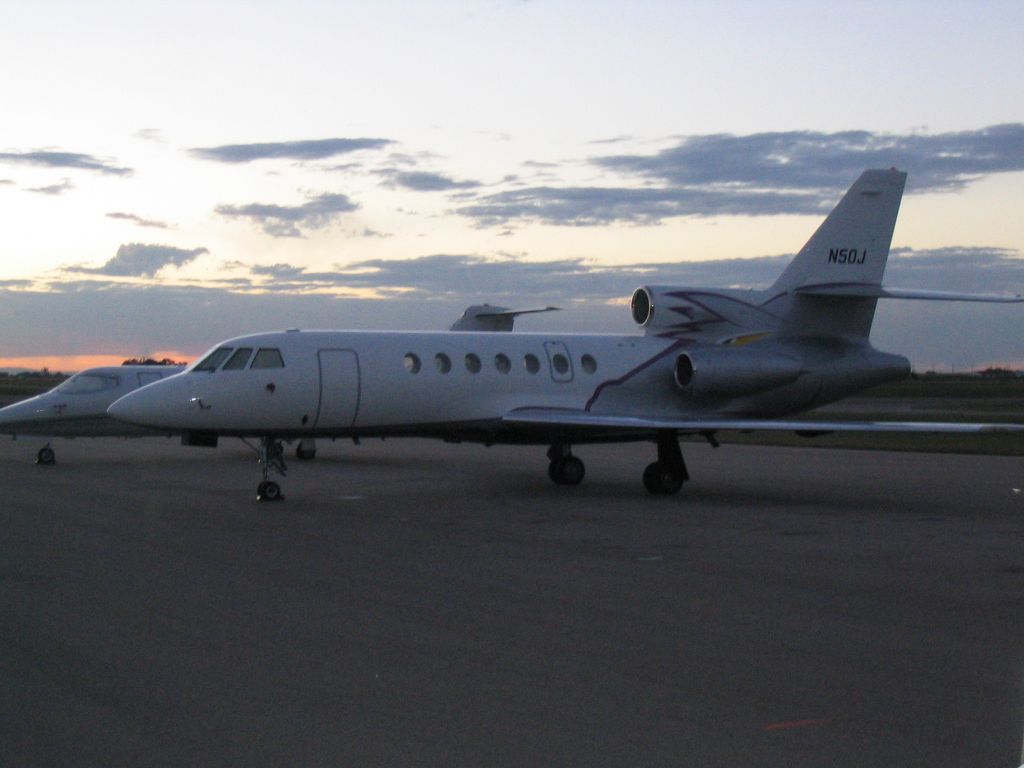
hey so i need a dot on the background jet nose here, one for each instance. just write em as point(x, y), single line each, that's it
point(25, 412)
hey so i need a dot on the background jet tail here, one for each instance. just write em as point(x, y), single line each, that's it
point(849, 249)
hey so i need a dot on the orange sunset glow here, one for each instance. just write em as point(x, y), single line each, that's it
point(74, 363)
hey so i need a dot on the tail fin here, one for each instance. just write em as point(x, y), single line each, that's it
point(849, 249)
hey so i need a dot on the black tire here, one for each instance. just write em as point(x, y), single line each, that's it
point(46, 456)
point(662, 479)
point(567, 470)
point(572, 471)
point(268, 490)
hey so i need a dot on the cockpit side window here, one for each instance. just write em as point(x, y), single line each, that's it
point(238, 360)
point(213, 360)
point(88, 383)
point(267, 358)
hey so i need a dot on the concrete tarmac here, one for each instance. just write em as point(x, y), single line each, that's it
point(419, 604)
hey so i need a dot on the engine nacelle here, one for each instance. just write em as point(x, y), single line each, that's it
point(661, 308)
point(711, 372)
point(675, 310)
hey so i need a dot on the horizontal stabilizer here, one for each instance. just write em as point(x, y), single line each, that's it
point(866, 291)
point(484, 317)
point(579, 418)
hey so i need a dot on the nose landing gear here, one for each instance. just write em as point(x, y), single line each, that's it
point(46, 455)
point(271, 459)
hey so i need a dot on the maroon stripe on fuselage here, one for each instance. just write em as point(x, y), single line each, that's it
point(630, 374)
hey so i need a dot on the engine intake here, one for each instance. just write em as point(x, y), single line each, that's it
point(731, 372)
point(641, 306)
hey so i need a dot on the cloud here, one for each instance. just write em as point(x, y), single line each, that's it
point(612, 140)
point(423, 181)
point(432, 291)
point(138, 220)
point(192, 318)
point(313, 149)
point(60, 188)
point(791, 172)
point(277, 271)
point(4, 182)
point(596, 206)
point(72, 160)
point(509, 279)
point(812, 160)
point(288, 221)
point(150, 134)
point(139, 260)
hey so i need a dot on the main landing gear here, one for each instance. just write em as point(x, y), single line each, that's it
point(668, 473)
point(46, 456)
point(271, 458)
point(564, 469)
point(662, 477)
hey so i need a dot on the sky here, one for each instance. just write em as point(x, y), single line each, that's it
point(172, 174)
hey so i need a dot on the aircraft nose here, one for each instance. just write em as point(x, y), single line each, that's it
point(151, 406)
point(25, 414)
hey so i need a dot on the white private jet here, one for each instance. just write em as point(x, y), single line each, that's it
point(77, 407)
point(708, 360)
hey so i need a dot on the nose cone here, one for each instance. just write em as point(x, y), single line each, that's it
point(154, 405)
point(28, 415)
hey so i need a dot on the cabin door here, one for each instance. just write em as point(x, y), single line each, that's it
point(339, 388)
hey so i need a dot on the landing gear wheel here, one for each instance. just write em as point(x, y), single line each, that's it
point(268, 490)
point(271, 458)
point(566, 470)
point(662, 478)
point(667, 474)
point(46, 456)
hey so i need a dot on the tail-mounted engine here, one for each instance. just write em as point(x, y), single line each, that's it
point(707, 314)
point(712, 372)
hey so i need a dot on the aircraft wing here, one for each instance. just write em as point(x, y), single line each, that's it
point(484, 317)
point(577, 418)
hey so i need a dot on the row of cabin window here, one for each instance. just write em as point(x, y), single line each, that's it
point(265, 357)
point(502, 363)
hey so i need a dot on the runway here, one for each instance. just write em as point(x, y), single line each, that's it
point(421, 604)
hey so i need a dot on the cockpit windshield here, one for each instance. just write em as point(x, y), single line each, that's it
point(213, 360)
point(88, 383)
point(237, 359)
point(268, 358)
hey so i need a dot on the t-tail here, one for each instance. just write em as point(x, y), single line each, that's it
point(832, 285)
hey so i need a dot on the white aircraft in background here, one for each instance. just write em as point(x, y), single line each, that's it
point(708, 360)
point(77, 407)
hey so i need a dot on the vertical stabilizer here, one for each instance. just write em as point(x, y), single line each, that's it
point(850, 248)
point(852, 244)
